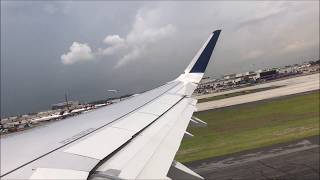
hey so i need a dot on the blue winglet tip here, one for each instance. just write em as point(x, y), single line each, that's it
point(216, 31)
point(202, 61)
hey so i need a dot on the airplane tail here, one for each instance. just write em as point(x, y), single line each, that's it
point(200, 61)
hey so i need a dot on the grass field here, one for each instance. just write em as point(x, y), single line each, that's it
point(252, 125)
point(223, 96)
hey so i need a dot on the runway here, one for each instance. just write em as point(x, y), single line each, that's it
point(290, 86)
point(294, 160)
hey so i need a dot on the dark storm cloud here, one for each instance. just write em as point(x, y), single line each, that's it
point(153, 42)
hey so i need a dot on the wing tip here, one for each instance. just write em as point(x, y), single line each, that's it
point(217, 31)
point(203, 59)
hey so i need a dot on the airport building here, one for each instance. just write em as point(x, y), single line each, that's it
point(237, 80)
point(269, 74)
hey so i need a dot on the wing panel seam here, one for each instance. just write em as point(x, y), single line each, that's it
point(88, 133)
point(135, 135)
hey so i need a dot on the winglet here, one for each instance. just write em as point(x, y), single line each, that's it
point(201, 60)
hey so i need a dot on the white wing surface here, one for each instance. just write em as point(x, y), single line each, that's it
point(134, 139)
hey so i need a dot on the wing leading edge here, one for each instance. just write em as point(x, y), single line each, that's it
point(138, 143)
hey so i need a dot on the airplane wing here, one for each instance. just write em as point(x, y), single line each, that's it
point(134, 139)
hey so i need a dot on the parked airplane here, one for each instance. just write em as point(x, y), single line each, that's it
point(134, 139)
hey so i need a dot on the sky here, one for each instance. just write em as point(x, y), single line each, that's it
point(84, 48)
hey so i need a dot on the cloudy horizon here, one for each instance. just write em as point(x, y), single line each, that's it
point(85, 48)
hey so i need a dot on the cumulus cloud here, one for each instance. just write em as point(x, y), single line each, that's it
point(113, 40)
point(115, 43)
point(146, 30)
point(78, 52)
point(132, 55)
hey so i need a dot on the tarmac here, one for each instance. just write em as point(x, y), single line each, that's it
point(289, 86)
point(296, 160)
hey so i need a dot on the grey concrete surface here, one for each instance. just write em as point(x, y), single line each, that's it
point(298, 160)
point(290, 86)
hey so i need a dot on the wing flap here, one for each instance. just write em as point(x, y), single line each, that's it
point(130, 160)
point(50, 173)
point(135, 122)
point(101, 144)
point(166, 134)
point(161, 105)
point(159, 164)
